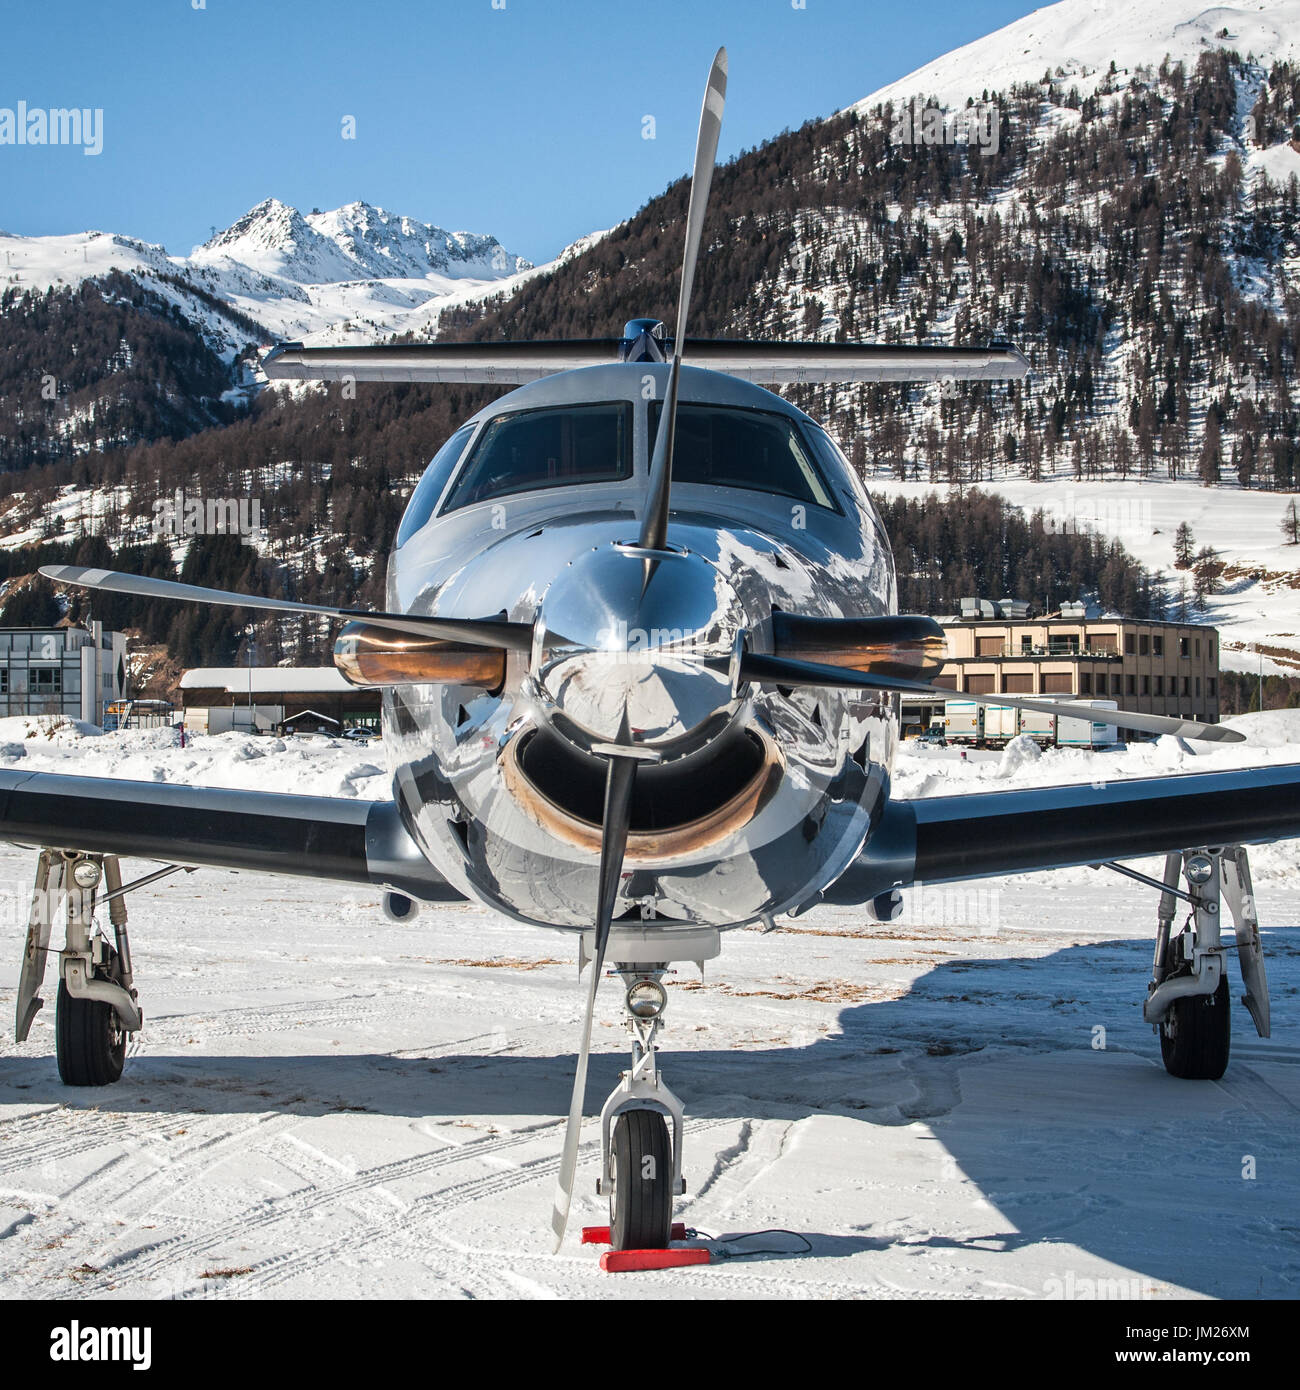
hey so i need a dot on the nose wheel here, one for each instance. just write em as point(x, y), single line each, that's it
point(641, 1158)
point(640, 1195)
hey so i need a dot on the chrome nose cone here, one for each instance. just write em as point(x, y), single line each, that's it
point(648, 633)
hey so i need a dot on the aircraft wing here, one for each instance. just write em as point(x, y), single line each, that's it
point(336, 838)
point(514, 364)
point(948, 838)
point(770, 364)
point(497, 364)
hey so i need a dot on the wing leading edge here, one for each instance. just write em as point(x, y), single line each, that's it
point(309, 836)
point(765, 363)
point(949, 838)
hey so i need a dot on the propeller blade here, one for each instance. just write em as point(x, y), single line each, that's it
point(777, 670)
point(654, 523)
point(619, 782)
point(909, 645)
point(486, 632)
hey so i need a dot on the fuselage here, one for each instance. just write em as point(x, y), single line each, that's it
point(753, 798)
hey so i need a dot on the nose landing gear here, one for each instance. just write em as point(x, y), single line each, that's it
point(641, 1166)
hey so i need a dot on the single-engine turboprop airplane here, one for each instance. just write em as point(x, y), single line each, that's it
point(641, 672)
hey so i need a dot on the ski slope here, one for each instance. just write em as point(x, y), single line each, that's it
point(1259, 602)
point(1079, 39)
point(325, 1104)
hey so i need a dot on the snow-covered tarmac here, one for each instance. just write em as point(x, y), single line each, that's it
point(323, 1103)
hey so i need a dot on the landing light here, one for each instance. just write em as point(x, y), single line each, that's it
point(646, 999)
point(86, 873)
point(1199, 870)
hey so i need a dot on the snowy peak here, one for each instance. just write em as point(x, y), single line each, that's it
point(1079, 39)
point(388, 245)
point(355, 242)
point(270, 226)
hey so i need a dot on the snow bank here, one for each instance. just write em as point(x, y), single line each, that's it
point(305, 765)
point(1019, 753)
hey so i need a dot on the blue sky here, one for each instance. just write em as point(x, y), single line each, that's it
point(524, 121)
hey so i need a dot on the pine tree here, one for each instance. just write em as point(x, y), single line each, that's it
point(1291, 523)
point(1183, 543)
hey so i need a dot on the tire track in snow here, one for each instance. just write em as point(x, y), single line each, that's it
point(159, 1257)
point(428, 1210)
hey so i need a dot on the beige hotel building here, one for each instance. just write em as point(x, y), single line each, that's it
point(1150, 667)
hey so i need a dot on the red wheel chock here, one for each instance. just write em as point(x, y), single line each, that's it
point(621, 1261)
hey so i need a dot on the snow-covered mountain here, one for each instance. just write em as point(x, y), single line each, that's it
point(1076, 41)
point(354, 242)
point(357, 272)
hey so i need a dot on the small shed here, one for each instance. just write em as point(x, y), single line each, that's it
point(258, 699)
point(309, 721)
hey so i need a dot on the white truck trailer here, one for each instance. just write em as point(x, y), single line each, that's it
point(994, 726)
point(1087, 733)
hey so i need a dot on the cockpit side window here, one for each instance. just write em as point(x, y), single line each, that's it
point(427, 491)
point(843, 473)
point(727, 446)
point(550, 447)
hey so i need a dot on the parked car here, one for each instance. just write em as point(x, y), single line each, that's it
point(361, 734)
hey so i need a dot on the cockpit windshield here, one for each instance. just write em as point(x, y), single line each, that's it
point(552, 447)
point(728, 446)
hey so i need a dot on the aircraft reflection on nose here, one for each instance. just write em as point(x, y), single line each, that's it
point(626, 633)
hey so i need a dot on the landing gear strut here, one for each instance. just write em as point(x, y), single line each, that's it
point(641, 1165)
point(97, 1002)
point(1188, 1000)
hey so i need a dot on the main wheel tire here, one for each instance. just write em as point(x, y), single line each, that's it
point(641, 1200)
point(90, 1041)
point(1196, 1035)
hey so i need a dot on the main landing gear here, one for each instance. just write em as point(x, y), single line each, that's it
point(641, 1163)
point(97, 1004)
point(1188, 1000)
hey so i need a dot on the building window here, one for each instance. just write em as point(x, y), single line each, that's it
point(1101, 642)
point(4, 680)
point(1144, 645)
point(1211, 640)
point(1129, 644)
point(1058, 682)
point(988, 646)
point(1214, 688)
point(1146, 685)
point(1187, 685)
point(1157, 645)
point(1064, 644)
point(1085, 682)
point(1160, 685)
point(1018, 683)
point(1114, 684)
point(1198, 687)
point(1198, 647)
point(45, 680)
point(1130, 685)
point(1026, 643)
point(979, 685)
point(1184, 646)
